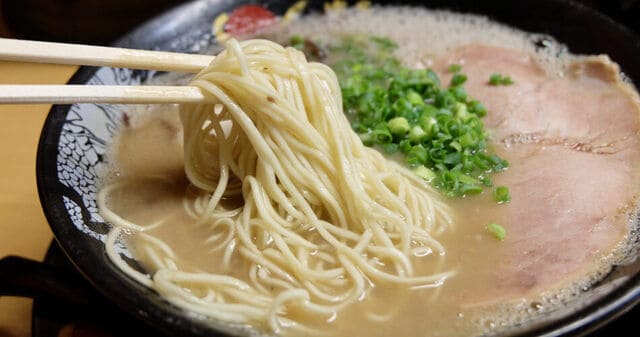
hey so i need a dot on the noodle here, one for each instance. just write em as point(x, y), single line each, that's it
point(322, 215)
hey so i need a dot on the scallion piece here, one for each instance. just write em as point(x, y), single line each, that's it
point(367, 139)
point(458, 79)
point(501, 194)
point(381, 134)
point(477, 108)
point(424, 173)
point(454, 68)
point(399, 126)
point(297, 42)
point(414, 98)
point(497, 231)
point(498, 79)
point(417, 155)
point(404, 146)
point(417, 134)
point(495, 79)
point(390, 148)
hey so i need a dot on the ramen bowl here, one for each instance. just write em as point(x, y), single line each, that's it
point(75, 138)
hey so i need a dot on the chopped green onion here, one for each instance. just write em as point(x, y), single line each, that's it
point(367, 139)
point(390, 148)
point(404, 146)
point(424, 173)
point(497, 79)
point(458, 79)
point(417, 155)
point(381, 134)
point(468, 189)
point(468, 180)
point(297, 42)
point(384, 42)
point(414, 98)
point(399, 126)
point(497, 231)
point(437, 129)
point(454, 68)
point(417, 134)
point(461, 111)
point(477, 108)
point(501, 194)
point(428, 122)
point(454, 144)
point(506, 80)
point(459, 93)
point(467, 140)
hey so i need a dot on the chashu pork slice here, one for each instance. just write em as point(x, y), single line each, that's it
point(574, 151)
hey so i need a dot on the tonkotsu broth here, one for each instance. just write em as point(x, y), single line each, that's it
point(444, 311)
point(474, 301)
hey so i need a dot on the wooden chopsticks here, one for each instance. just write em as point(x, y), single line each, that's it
point(63, 53)
point(77, 54)
point(121, 94)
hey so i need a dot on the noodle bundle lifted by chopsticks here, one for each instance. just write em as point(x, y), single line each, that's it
point(321, 216)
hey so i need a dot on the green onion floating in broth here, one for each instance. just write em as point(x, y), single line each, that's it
point(438, 130)
point(501, 194)
point(497, 79)
point(497, 231)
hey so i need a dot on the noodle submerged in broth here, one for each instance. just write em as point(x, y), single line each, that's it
point(321, 214)
point(266, 209)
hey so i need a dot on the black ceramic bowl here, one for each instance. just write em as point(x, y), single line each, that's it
point(74, 139)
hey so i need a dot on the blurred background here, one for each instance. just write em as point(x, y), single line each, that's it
point(86, 21)
point(103, 21)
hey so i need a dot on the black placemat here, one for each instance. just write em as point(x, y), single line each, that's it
point(51, 318)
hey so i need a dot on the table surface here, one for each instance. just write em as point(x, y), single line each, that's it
point(24, 230)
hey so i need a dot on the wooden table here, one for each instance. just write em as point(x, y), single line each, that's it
point(23, 228)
